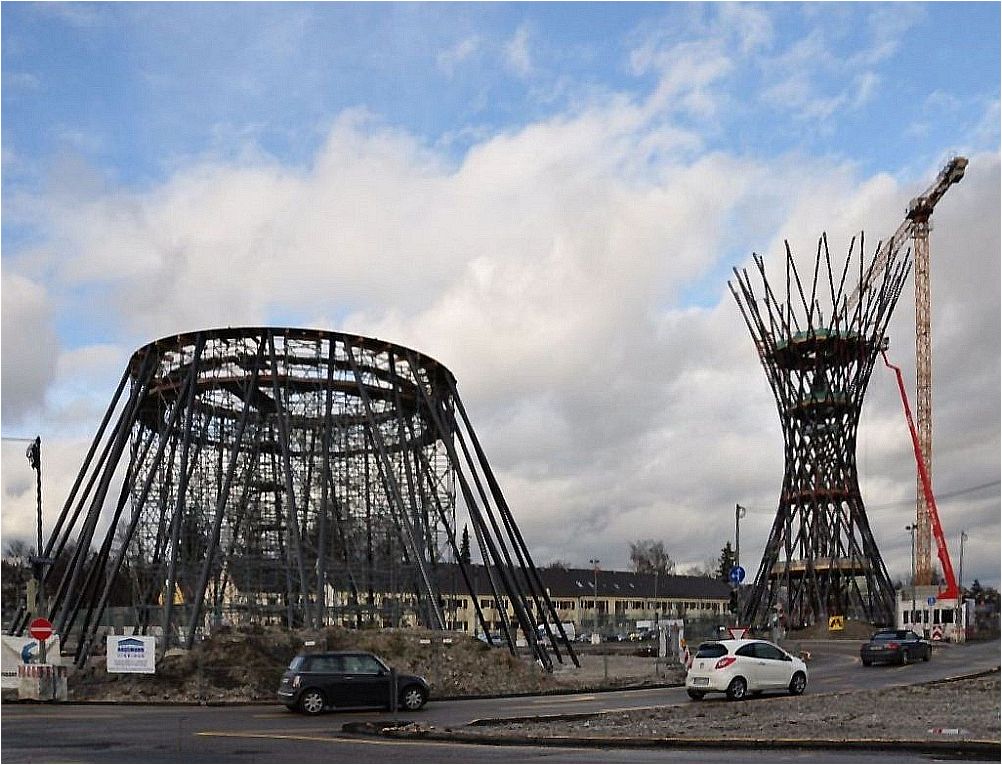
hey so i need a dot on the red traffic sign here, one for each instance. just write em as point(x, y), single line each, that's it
point(40, 629)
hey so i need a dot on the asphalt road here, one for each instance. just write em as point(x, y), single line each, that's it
point(122, 733)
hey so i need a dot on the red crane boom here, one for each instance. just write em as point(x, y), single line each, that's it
point(950, 589)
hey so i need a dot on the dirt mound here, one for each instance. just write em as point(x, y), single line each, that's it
point(247, 665)
point(853, 630)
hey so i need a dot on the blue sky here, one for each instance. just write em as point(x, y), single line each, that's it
point(508, 187)
point(136, 88)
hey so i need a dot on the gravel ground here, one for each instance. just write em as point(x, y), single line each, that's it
point(960, 710)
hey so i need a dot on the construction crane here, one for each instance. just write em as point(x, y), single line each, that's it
point(917, 226)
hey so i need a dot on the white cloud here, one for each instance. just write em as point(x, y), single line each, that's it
point(546, 269)
point(517, 56)
point(450, 58)
point(30, 347)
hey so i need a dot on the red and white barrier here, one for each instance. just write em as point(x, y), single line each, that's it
point(41, 670)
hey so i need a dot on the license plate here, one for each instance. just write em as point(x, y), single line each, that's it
point(700, 681)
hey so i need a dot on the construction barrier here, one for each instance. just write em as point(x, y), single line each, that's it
point(42, 682)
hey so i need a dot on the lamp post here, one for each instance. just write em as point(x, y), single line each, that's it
point(960, 582)
point(34, 455)
point(657, 614)
point(739, 513)
point(911, 528)
point(594, 589)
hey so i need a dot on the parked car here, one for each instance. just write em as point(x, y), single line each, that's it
point(739, 667)
point(642, 634)
point(895, 646)
point(318, 681)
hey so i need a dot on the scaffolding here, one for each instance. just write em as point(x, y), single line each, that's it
point(818, 349)
point(285, 476)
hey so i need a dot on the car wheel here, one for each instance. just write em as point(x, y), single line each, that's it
point(695, 695)
point(928, 655)
point(906, 657)
point(798, 683)
point(866, 662)
point(413, 698)
point(312, 702)
point(737, 689)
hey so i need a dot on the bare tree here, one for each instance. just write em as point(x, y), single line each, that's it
point(558, 565)
point(708, 568)
point(648, 556)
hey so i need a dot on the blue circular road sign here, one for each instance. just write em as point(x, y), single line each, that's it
point(737, 575)
point(930, 600)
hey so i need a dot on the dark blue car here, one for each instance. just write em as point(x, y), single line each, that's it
point(895, 647)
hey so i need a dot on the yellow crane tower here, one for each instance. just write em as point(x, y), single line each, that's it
point(917, 225)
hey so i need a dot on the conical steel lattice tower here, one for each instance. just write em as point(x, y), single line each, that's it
point(287, 476)
point(818, 352)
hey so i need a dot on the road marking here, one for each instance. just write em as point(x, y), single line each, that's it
point(292, 716)
point(636, 709)
point(63, 715)
point(563, 700)
point(354, 740)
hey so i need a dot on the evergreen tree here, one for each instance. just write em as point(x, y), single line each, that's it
point(464, 546)
point(727, 562)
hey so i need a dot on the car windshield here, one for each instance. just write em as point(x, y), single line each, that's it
point(296, 663)
point(889, 636)
point(711, 651)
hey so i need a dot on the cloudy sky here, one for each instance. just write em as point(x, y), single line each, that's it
point(546, 198)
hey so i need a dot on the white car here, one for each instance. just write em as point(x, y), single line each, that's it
point(740, 667)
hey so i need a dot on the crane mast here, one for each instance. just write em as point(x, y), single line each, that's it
point(919, 214)
point(917, 225)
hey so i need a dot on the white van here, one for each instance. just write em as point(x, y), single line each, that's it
point(568, 630)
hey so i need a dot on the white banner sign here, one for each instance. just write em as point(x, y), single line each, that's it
point(132, 653)
point(24, 650)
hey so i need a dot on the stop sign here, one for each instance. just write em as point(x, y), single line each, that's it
point(40, 629)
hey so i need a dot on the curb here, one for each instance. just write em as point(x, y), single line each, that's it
point(485, 721)
point(270, 702)
point(988, 750)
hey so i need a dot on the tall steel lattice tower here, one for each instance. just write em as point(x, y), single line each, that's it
point(287, 476)
point(821, 558)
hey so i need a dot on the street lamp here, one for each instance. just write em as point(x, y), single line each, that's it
point(912, 527)
point(594, 588)
point(34, 455)
point(739, 513)
point(960, 578)
point(960, 582)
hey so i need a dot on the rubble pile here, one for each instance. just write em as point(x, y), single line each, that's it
point(247, 664)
